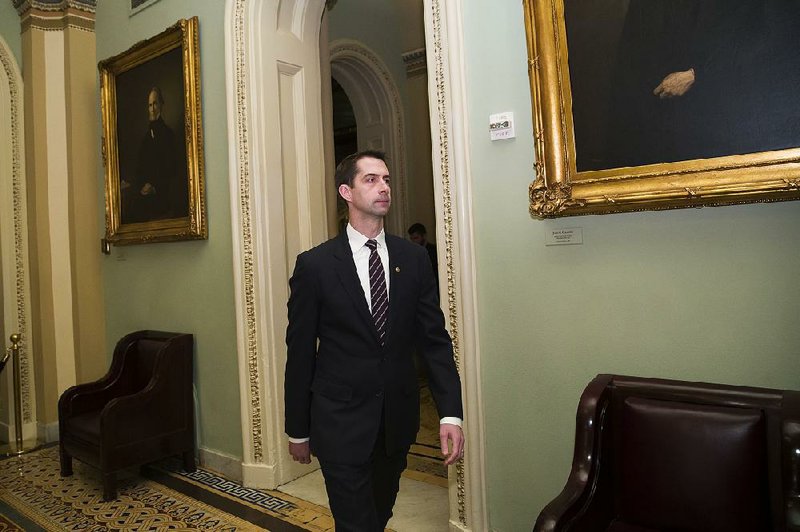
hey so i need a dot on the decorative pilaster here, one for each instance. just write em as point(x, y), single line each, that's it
point(61, 148)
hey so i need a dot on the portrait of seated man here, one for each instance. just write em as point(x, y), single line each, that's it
point(158, 188)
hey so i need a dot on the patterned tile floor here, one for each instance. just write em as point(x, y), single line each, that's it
point(294, 510)
point(33, 496)
point(33, 493)
point(163, 497)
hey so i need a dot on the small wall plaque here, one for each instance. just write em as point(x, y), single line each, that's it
point(564, 237)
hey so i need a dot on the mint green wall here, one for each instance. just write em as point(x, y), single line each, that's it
point(10, 29)
point(708, 294)
point(184, 286)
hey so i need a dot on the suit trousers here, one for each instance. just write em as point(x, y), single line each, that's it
point(362, 496)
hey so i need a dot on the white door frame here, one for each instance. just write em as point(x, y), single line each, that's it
point(449, 115)
point(276, 160)
point(14, 268)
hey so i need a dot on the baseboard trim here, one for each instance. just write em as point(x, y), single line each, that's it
point(47, 432)
point(228, 466)
point(30, 431)
point(259, 476)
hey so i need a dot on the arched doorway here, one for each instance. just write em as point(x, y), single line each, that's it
point(279, 207)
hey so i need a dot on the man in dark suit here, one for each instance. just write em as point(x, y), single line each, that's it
point(351, 391)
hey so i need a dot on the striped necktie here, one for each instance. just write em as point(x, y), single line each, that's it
point(377, 289)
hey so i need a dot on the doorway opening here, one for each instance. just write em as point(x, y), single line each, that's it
point(345, 134)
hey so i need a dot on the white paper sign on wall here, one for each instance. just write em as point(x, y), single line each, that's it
point(501, 126)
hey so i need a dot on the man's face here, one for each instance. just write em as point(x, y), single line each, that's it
point(153, 106)
point(370, 194)
point(418, 238)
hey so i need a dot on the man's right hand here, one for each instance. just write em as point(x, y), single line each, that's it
point(301, 452)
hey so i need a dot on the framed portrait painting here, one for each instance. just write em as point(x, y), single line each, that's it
point(659, 104)
point(152, 139)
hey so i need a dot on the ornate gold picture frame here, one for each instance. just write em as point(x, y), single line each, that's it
point(153, 139)
point(599, 151)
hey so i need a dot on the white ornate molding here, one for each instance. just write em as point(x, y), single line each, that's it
point(276, 160)
point(242, 223)
point(453, 198)
point(14, 227)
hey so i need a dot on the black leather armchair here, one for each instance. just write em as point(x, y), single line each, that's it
point(142, 410)
point(662, 455)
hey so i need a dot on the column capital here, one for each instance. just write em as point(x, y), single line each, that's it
point(52, 15)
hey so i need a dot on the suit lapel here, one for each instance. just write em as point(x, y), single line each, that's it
point(346, 270)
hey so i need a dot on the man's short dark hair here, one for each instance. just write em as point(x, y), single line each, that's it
point(418, 229)
point(346, 169)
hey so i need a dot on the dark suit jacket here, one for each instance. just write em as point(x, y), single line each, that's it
point(338, 377)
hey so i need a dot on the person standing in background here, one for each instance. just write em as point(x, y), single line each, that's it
point(418, 235)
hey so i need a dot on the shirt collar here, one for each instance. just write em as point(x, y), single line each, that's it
point(357, 240)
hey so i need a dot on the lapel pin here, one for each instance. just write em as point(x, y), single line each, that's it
point(397, 269)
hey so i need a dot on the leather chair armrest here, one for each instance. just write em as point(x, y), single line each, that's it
point(576, 494)
point(93, 396)
point(85, 398)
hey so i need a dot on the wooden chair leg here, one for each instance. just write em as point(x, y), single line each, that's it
point(66, 463)
point(188, 461)
point(109, 486)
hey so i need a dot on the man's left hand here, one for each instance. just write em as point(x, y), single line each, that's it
point(452, 440)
